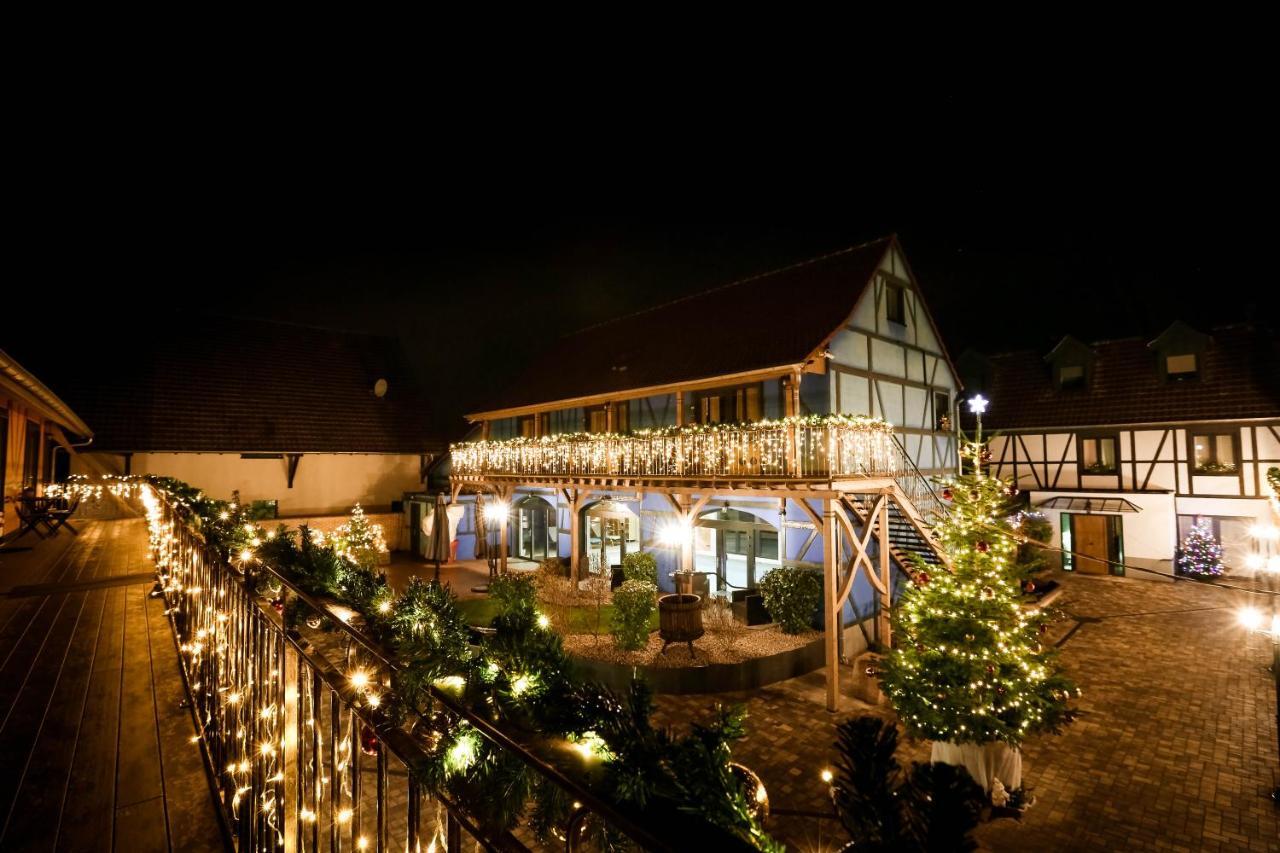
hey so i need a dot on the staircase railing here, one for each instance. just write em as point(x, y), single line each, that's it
point(916, 487)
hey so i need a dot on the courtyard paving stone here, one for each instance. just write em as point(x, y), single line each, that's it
point(1175, 748)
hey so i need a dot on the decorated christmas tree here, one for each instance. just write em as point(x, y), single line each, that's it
point(1200, 555)
point(969, 665)
point(360, 540)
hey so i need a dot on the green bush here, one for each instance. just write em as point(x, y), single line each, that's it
point(639, 566)
point(516, 595)
point(791, 595)
point(633, 604)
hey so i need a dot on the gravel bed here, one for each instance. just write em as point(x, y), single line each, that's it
point(713, 647)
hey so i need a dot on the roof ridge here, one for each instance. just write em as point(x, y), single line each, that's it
point(243, 318)
point(719, 287)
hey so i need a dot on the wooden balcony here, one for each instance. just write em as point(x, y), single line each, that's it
point(763, 455)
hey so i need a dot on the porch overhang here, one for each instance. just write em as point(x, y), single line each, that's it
point(1089, 505)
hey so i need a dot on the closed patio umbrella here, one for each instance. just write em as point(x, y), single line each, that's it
point(438, 542)
point(482, 533)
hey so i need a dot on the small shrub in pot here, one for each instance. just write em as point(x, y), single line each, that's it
point(633, 605)
point(639, 566)
point(791, 595)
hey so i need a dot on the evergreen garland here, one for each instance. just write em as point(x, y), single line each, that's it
point(520, 679)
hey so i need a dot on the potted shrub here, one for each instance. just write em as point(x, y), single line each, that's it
point(791, 595)
point(633, 605)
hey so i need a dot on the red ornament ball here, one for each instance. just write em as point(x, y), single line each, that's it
point(278, 604)
point(922, 578)
point(991, 670)
point(369, 743)
point(947, 495)
point(982, 546)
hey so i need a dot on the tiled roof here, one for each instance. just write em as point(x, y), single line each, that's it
point(768, 320)
point(214, 384)
point(1239, 378)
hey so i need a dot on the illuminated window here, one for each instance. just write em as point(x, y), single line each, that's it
point(895, 301)
point(1214, 453)
point(1098, 455)
point(1181, 366)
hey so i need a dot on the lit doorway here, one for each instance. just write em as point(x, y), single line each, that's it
point(536, 535)
point(1093, 544)
point(611, 531)
point(735, 548)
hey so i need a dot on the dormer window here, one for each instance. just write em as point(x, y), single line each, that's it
point(1178, 367)
point(1071, 363)
point(1071, 376)
point(895, 302)
point(1180, 352)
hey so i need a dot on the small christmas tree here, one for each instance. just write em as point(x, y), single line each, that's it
point(968, 665)
point(1201, 555)
point(360, 540)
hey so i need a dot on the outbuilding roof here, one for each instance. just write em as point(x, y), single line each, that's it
point(1238, 378)
point(224, 384)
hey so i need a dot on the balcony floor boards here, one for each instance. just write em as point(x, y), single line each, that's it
point(95, 750)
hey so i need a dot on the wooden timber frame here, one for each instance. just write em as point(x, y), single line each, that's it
point(834, 521)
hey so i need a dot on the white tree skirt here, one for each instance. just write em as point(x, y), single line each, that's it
point(985, 762)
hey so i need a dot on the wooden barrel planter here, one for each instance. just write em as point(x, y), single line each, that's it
point(680, 619)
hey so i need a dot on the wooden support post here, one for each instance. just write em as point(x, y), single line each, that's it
point(686, 529)
point(679, 408)
point(503, 531)
point(830, 582)
point(782, 531)
point(886, 597)
point(608, 417)
point(573, 496)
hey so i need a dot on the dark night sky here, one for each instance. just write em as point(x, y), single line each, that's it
point(1025, 218)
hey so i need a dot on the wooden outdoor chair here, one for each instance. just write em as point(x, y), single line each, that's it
point(59, 515)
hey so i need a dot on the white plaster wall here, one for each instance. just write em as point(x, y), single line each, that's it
point(1148, 535)
point(325, 483)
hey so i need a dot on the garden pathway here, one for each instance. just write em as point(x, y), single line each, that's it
point(1175, 748)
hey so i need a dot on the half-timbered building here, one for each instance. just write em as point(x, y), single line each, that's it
point(691, 416)
point(1125, 444)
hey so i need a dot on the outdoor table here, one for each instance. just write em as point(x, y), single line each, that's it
point(51, 514)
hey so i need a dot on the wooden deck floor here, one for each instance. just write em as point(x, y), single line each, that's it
point(96, 748)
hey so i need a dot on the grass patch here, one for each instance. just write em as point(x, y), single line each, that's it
point(480, 612)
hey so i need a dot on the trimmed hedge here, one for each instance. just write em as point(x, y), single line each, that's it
point(791, 596)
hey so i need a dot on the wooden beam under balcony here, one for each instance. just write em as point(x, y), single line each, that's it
point(759, 487)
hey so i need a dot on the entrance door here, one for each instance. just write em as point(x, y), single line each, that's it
point(1091, 544)
point(536, 533)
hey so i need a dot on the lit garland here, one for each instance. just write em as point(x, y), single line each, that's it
point(521, 678)
point(968, 665)
point(809, 446)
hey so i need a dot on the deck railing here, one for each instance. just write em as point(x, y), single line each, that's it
point(809, 448)
point(302, 755)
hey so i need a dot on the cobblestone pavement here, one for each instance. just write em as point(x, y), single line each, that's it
point(1175, 748)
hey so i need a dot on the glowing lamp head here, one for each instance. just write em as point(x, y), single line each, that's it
point(246, 555)
point(544, 621)
point(497, 512)
point(827, 775)
point(384, 606)
point(360, 679)
point(674, 534)
point(978, 404)
point(1250, 617)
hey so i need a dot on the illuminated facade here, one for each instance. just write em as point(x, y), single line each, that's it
point(754, 425)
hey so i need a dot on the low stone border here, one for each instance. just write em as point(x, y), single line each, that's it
point(708, 678)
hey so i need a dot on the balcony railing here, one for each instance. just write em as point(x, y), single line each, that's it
point(301, 753)
point(812, 448)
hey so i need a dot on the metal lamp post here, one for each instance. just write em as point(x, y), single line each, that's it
point(978, 405)
point(1266, 560)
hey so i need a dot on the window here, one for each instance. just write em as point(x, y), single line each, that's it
point(1179, 367)
point(1214, 453)
point(597, 419)
point(1098, 455)
point(731, 405)
point(895, 302)
point(942, 410)
point(1071, 376)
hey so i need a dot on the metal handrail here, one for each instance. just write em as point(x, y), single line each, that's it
point(653, 829)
